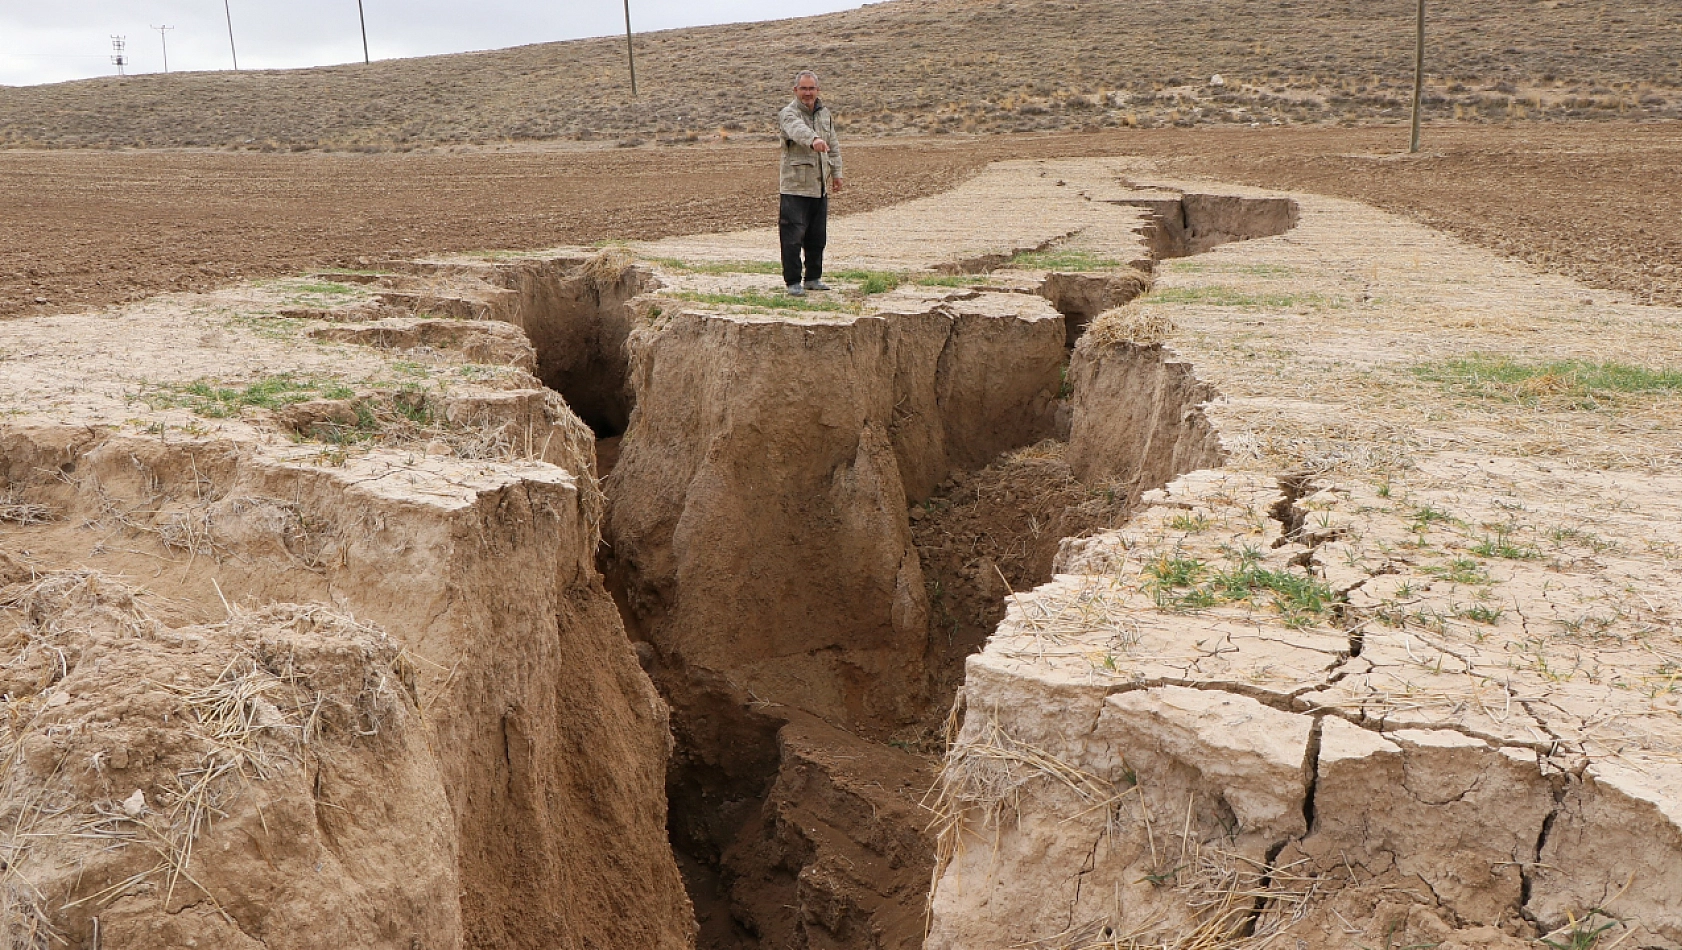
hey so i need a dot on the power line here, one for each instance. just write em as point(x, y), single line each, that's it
point(165, 41)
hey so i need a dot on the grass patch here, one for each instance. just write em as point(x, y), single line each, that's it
point(321, 288)
point(1580, 384)
point(1425, 515)
point(1228, 297)
point(1460, 570)
point(765, 301)
point(268, 326)
point(1482, 613)
point(1189, 584)
point(1191, 524)
point(1063, 259)
point(1500, 544)
point(215, 401)
point(718, 267)
point(871, 281)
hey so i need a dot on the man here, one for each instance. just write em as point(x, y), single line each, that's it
point(811, 170)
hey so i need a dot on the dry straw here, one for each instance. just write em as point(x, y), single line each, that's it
point(264, 711)
point(1131, 323)
point(609, 267)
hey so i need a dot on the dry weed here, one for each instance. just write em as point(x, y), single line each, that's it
point(15, 511)
point(608, 267)
point(1131, 323)
point(265, 711)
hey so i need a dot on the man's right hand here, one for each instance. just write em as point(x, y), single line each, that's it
point(820, 146)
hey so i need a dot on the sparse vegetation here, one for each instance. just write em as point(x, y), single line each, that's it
point(1063, 259)
point(1180, 583)
point(1574, 384)
point(215, 400)
point(1217, 296)
point(1460, 570)
point(718, 267)
point(759, 300)
point(870, 281)
point(1500, 544)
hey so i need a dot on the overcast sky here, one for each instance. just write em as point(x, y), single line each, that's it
point(55, 40)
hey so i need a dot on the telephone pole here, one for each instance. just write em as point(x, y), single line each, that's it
point(228, 11)
point(364, 21)
point(119, 58)
point(165, 41)
point(1418, 76)
point(630, 54)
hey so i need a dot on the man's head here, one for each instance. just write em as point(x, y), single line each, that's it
point(806, 87)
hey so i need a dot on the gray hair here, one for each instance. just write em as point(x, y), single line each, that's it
point(803, 74)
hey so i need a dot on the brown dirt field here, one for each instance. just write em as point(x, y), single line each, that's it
point(89, 229)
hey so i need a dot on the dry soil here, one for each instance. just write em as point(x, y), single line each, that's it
point(80, 229)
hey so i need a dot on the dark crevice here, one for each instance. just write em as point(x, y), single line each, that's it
point(1311, 774)
point(1253, 918)
point(986, 263)
point(1192, 224)
point(1285, 511)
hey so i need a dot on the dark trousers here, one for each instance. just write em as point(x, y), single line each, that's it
point(803, 225)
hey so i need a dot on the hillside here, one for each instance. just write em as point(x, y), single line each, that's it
point(920, 66)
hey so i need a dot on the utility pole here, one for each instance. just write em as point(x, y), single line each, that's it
point(630, 54)
point(1418, 77)
point(119, 59)
point(165, 40)
point(228, 11)
point(364, 21)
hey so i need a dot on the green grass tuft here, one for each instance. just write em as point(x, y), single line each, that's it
point(871, 281)
point(1500, 544)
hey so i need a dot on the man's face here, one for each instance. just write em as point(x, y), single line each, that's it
point(806, 90)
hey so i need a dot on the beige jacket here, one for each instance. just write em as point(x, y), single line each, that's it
point(807, 172)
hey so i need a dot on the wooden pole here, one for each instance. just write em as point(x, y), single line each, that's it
point(226, 9)
point(364, 21)
point(1418, 76)
point(630, 54)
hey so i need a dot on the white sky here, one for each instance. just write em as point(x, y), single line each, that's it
point(56, 40)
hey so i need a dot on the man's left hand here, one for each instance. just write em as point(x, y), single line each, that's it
point(838, 186)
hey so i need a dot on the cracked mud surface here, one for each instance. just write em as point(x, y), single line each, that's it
point(1376, 673)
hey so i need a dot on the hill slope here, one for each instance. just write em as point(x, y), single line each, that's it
point(922, 65)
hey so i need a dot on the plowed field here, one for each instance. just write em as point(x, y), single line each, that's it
point(91, 228)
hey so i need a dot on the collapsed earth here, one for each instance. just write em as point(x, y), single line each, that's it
point(1132, 548)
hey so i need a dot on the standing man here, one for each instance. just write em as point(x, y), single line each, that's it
point(811, 170)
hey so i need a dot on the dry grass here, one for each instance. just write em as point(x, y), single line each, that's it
point(1133, 323)
point(608, 267)
point(14, 511)
point(266, 710)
